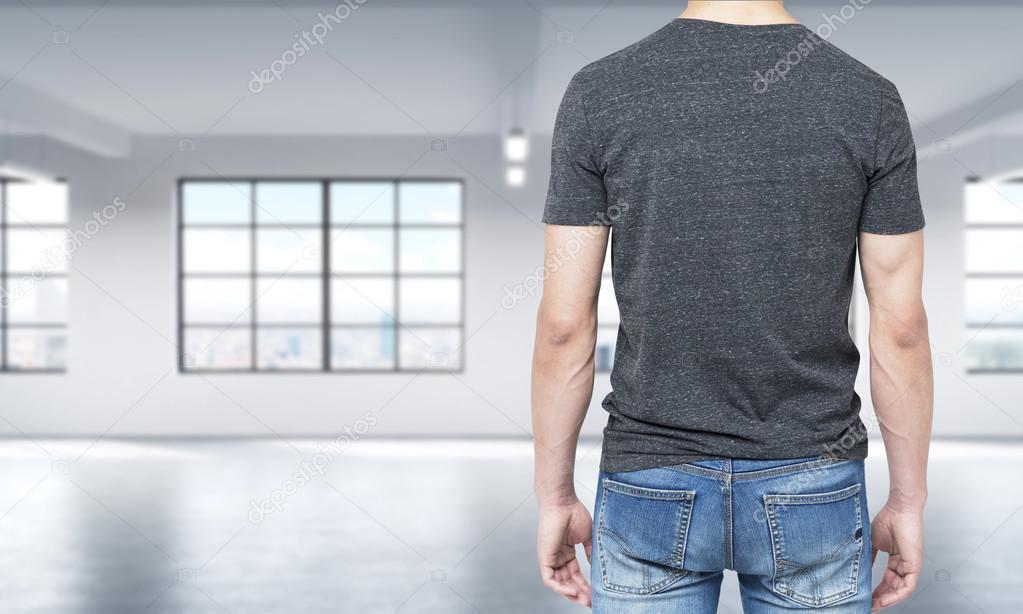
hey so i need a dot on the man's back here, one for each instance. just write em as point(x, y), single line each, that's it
point(743, 169)
point(735, 198)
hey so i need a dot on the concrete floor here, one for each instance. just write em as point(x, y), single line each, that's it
point(154, 527)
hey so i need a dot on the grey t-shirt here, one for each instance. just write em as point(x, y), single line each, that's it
point(736, 166)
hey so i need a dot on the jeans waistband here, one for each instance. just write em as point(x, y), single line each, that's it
point(745, 469)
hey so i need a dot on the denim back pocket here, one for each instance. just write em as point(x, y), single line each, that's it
point(817, 541)
point(641, 537)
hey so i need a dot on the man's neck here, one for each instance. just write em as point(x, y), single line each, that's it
point(739, 12)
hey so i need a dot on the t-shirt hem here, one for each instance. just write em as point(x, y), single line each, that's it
point(568, 218)
point(621, 463)
point(891, 229)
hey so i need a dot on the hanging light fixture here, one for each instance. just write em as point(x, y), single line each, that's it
point(516, 148)
point(515, 176)
point(516, 145)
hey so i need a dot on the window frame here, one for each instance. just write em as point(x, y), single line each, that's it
point(975, 328)
point(325, 324)
point(6, 275)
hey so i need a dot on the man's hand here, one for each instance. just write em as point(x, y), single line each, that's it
point(561, 528)
point(900, 533)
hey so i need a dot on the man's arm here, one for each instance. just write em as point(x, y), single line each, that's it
point(566, 332)
point(901, 385)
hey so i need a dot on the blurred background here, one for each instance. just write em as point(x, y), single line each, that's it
point(270, 270)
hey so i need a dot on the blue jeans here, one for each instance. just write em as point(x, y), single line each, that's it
point(796, 532)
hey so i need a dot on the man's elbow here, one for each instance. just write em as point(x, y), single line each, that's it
point(905, 331)
point(562, 329)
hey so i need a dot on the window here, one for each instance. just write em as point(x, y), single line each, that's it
point(607, 320)
point(33, 276)
point(994, 276)
point(321, 275)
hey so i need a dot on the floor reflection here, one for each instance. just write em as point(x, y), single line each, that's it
point(381, 526)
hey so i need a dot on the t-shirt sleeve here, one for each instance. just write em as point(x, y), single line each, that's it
point(576, 195)
point(892, 202)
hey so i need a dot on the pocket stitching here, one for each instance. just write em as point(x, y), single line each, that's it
point(685, 511)
point(649, 493)
point(778, 541)
point(813, 498)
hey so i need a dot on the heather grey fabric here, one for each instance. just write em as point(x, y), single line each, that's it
point(735, 165)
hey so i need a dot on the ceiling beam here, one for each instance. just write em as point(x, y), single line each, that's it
point(27, 111)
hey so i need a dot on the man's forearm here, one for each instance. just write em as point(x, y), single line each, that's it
point(902, 387)
point(561, 392)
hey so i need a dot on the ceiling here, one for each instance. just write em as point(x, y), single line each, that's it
point(98, 74)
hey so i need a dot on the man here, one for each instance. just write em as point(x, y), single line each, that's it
point(742, 163)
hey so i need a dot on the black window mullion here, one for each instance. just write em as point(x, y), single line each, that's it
point(463, 291)
point(4, 331)
point(396, 316)
point(182, 366)
point(325, 263)
point(253, 278)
